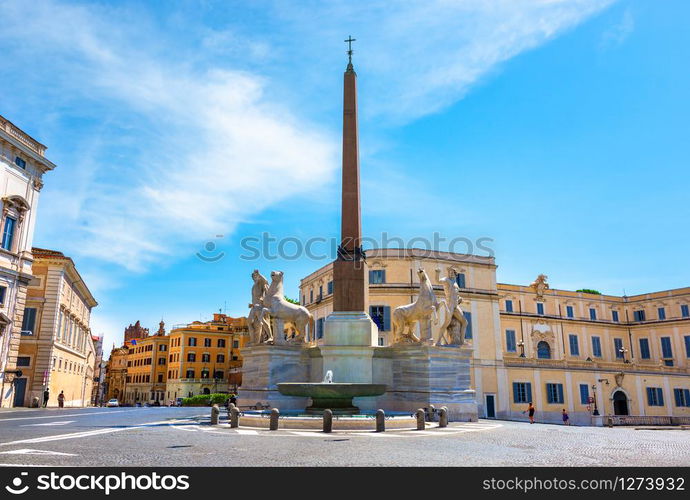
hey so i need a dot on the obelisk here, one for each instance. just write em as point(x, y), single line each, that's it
point(350, 277)
point(349, 333)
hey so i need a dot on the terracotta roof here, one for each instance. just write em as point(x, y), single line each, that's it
point(44, 252)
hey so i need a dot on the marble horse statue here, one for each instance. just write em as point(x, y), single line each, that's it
point(454, 323)
point(424, 307)
point(258, 320)
point(282, 311)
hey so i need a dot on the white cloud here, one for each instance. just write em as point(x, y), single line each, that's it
point(619, 32)
point(186, 150)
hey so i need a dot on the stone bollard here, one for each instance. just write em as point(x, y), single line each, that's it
point(443, 417)
point(275, 413)
point(215, 412)
point(380, 421)
point(230, 407)
point(610, 422)
point(327, 421)
point(234, 417)
point(419, 414)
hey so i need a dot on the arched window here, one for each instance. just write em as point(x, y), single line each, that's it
point(543, 350)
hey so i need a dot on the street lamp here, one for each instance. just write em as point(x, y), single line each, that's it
point(521, 344)
point(594, 391)
point(623, 350)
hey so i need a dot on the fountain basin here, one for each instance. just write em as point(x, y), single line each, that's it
point(335, 397)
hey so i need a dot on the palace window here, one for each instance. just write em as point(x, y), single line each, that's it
point(218, 374)
point(191, 357)
point(509, 306)
point(162, 347)
point(522, 392)
point(20, 162)
point(220, 358)
point(161, 361)
point(661, 312)
point(468, 317)
point(319, 328)
point(235, 344)
point(207, 342)
point(311, 296)
point(8, 233)
point(192, 342)
point(666, 349)
point(682, 397)
point(221, 342)
point(584, 394)
point(190, 374)
point(204, 373)
point(554, 393)
point(510, 341)
point(639, 315)
point(614, 316)
point(540, 308)
point(569, 311)
point(460, 280)
point(329, 287)
point(377, 277)
point(687, 346)
point(685, 311)
point(206, 358)
point(543, 350)
point(574, 346)
point(596, 347)
point(381, 315)
point(3, 292)
point(592, 313)
point(644, 349)
point(23, 361)
point(655, 396)
point(29, 321)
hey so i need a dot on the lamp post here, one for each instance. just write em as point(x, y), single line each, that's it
point(594, 391)
point(521, 344)
point(623, 350)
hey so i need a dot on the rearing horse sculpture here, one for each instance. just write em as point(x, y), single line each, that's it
point(425, 306)
point(282, 310)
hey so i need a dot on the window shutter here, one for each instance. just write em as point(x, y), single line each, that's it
point(468, 332)
point(560, 392)
point(386, 318)
point(371, 276)
point(650, 397)
point(678, 397)
point(660, 396)
point(686, 394)
point(528, 391)
point(516, 398)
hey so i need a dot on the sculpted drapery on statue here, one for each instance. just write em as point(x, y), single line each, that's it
point(270, 312)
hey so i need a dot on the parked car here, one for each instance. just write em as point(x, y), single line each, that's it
point(112, 403)
point(178, 402)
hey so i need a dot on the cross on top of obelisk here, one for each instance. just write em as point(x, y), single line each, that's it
point(349, 50)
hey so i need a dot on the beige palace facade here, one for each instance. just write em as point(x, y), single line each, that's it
point(22, 165)
point(57, 350)
point(579, 351)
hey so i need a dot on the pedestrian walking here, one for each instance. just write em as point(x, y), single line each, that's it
point(46, 396)
point(566, 418)
point(530, 412)
point(61, 399)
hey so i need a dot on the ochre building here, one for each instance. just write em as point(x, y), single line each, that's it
point(583, 352)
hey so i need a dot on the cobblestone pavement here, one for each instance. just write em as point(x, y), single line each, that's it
point(183, 437)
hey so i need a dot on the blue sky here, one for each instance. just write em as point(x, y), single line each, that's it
point(556, 128)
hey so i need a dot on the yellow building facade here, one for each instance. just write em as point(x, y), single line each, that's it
point(116, 374)
point(56, 349)
point(583, 352)
point(147, 362)
point(205, 357)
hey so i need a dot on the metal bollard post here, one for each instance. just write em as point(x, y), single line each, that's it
point(215, 412)
point(380, 421)
point(327, 421)
point(275, 413)
point(234, 417)
point(443, 417)
point(419, 414)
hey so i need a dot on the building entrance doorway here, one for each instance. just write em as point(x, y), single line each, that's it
point(19, 391)
point(620, 403)
point(490, 406)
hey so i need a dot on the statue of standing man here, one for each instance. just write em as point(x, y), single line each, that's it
point(455, 323)
point(258, 319)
